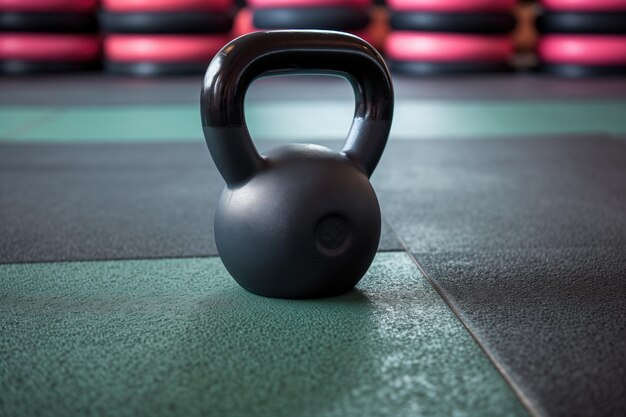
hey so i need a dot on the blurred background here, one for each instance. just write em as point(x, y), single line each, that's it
point(419, 37)
point(133, 58)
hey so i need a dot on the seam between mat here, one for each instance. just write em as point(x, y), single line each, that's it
point(141, 258)
point(526, 403)
point(10, 135)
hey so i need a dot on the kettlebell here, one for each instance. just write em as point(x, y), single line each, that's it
point(301, 221)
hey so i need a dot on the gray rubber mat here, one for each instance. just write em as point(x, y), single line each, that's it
point(526, 239)
point(554, 319)
point(107, 201)
point(105, 89)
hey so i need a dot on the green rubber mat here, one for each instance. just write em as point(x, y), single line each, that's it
point(300, 120)
point(14, 120)
point(179, 337)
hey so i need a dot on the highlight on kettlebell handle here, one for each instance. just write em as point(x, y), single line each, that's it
point(260, 54)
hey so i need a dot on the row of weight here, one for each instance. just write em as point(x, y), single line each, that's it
point(143, 37)
point(162, 37)
point(583, 37)
point(578, 37)
point(451, 36)
point(48, 36)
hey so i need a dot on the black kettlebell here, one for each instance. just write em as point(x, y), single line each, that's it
point(302, 221)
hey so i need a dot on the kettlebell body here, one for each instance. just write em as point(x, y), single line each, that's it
point(309, 224)
point(301, 221)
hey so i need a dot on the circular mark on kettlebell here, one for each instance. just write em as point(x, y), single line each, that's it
point(332, 235)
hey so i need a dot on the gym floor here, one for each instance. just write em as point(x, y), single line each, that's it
point(499, 288)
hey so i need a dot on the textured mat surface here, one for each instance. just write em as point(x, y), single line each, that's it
point(555, 319)
point(527, 241)
point(543, 192)
point(525, 238)
point(78, 202)
point(179, 337)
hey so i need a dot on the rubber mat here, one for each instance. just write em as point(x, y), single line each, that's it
point(524, 193)
point(180, 338)
point(526, 239)
point(96, 89)
point(107, 201)
point(553, 318)
point(289, 121)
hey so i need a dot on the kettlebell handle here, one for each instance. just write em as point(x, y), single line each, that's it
point(260, 54)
